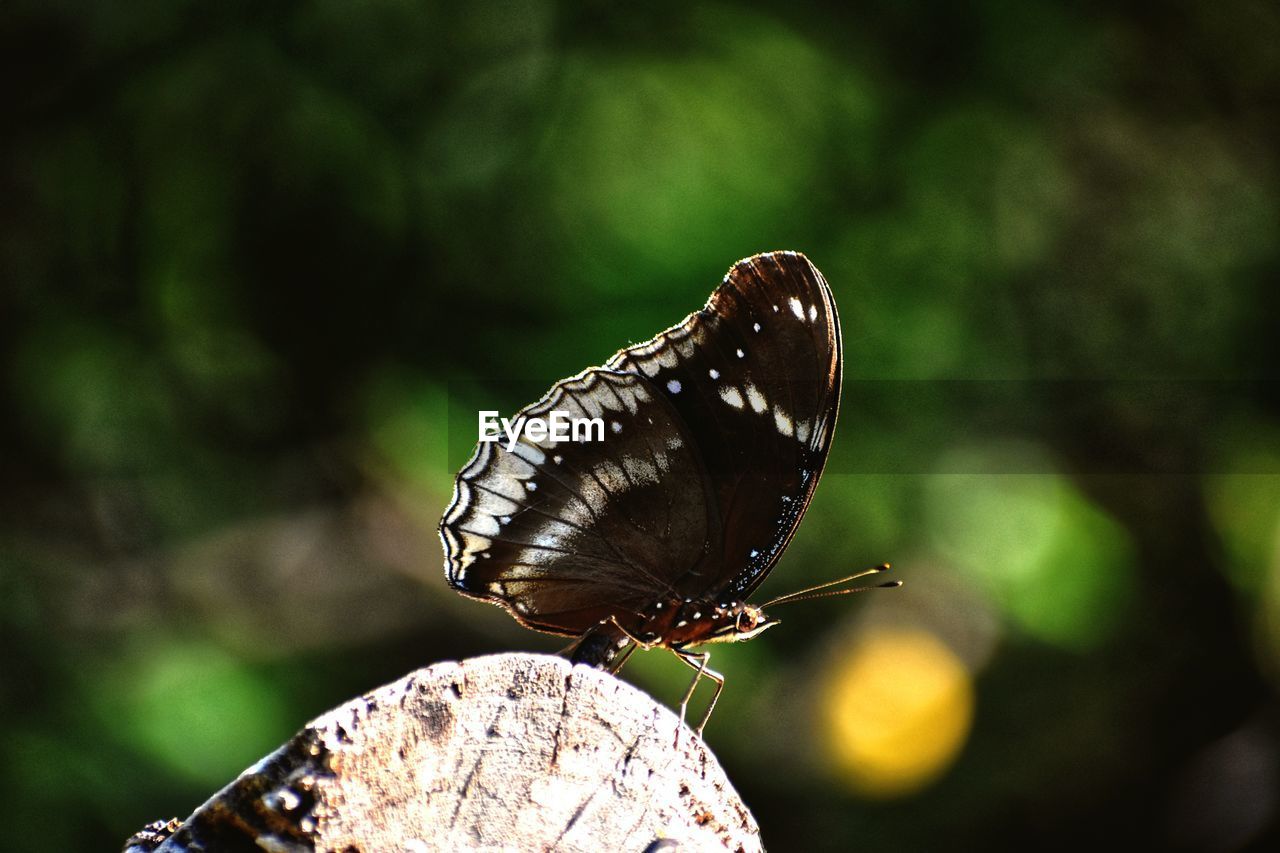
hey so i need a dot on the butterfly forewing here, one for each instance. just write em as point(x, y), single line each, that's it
point(567, 534)
point(755, 377)
point(716, 431)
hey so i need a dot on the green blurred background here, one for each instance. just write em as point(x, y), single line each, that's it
point(262, 263)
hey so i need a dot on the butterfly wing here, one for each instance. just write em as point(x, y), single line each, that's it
point(755, 378)
point(565, 534)
point(716, 432)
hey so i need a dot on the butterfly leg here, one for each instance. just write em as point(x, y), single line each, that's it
point(632, 637)
point(701, 669)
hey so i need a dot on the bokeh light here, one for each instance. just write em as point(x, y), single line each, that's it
point(705, 180)
point(190, 706)
point(1060, 568)
point(897, 708)
point(1244, 503)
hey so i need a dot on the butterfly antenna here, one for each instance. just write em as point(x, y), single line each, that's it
point(823, 590)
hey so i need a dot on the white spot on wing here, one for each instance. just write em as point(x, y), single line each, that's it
point(674, 386)
point(615, 426)
point(802, 431)
point(813, 313)
point(593, 495)
point(529, 453)
point(611, 476)
point(796, 308)
point(484, 525)
point(488, 503)
point(758, 403)
point(783, 422)
point(713, 373)
point(740, 353)
point(755, 326)
point(640, 470)
point(731, 396)
point(576, 512)
point(531, 486)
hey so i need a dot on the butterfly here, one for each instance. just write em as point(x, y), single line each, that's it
point(714, 435)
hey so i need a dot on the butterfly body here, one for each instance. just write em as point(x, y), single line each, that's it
point(678, 624)
point(717, 431)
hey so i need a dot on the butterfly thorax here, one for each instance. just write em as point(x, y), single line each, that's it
point(678, 623)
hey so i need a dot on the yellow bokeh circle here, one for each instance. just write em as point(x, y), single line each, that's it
point(897, 709)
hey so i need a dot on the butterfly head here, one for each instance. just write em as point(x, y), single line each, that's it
point(739, 621)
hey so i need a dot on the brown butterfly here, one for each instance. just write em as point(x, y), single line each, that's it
point(715, 433)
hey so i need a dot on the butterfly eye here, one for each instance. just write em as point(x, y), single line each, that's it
point(746, 621)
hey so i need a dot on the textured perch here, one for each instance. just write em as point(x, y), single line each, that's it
point(507, 752)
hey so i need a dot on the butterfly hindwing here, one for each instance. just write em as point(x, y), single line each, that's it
point(565, 534)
